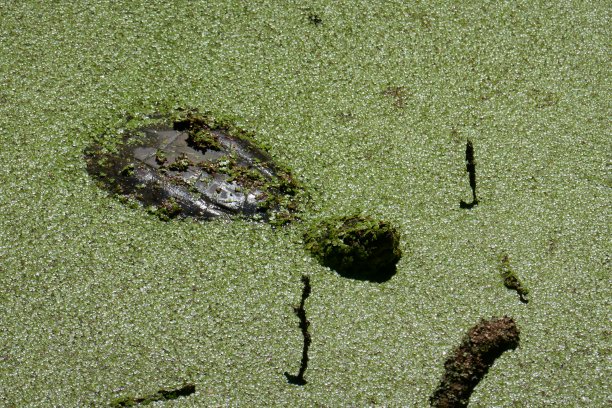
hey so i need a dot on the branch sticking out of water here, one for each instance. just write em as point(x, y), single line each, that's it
point(471, 169)
point(470, 361)
point(300, 312)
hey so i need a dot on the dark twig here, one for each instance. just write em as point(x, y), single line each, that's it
point(471, 169)
point(300, 311)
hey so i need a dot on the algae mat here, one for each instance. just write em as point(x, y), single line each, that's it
point(370, 106)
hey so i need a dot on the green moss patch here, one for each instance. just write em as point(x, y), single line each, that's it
point(204, 140)
point(168, 209)
point(356, 247)
point(160, 157)
point(181, 163)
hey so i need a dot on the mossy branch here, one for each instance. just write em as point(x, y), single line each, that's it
point(511, 279)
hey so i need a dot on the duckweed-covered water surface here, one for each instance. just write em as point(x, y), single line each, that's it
point(370, 107)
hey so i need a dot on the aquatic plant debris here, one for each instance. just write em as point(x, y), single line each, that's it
point(300, 312)
point(511, 279)
point(161, 395)
point(194, 165)
point(315, 19)
point(398, 93)
point(470, 164)
point(470, 362)
point(356, 247)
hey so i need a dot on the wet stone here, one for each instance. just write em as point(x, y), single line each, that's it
point(196, 166)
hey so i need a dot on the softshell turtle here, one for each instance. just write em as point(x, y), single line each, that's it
point(195, 166)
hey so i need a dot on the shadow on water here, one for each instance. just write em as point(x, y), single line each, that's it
point(468, 206)
point(381, 275)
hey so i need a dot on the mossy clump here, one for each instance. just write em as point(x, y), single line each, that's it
point(511, 279)
point(203, 140)
point(160, 157)
point(181, 163)
point(168, 209)
point(245, 175)
point(128, 170)
point(356, 247)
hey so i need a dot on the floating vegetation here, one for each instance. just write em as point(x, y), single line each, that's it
point(300, 312)
point(315, 19)
point(511, 279)
point(161, 395)
point(398, 93)
point(194, 165)
point(356, 247)
point(470, 362)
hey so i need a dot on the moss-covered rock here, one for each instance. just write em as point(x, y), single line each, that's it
point(356, 247)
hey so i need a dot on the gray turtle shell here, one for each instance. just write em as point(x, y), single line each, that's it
point(195, 167)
